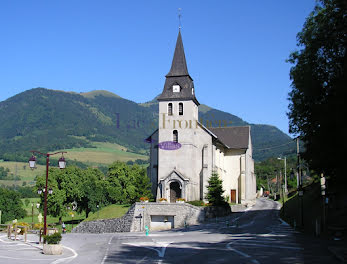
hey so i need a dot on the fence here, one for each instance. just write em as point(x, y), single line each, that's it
point(23, 230)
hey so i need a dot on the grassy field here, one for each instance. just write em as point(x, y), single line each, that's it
point(104, 153)
point(22, 170)
point(111, 211)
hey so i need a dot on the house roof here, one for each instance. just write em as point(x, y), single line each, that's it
point(233, 137)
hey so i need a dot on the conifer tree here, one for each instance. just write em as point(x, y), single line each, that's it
point(215, 190)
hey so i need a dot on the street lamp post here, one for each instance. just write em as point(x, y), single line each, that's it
point(285, 174)
point(61, 164)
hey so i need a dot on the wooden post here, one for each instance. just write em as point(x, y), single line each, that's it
point(15, 232)
point(25, 234)
point(40, 235)
point(9, 231)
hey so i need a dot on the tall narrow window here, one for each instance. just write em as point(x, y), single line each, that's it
point(169, 110)
point(180, 108)
point(175, 136)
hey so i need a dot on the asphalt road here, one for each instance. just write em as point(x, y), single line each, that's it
point(254, 236)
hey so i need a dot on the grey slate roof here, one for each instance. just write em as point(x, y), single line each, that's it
point(178, 74)
point(179, 64)
point(233, 137)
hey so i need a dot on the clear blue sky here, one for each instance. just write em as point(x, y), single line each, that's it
point(236, 50)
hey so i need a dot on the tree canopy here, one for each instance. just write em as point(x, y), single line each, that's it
point(90, 189)
point(10, 205)
point(319, 87)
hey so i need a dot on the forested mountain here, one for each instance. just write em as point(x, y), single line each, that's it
point(48, 120)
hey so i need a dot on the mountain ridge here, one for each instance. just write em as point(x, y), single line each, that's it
point(50, 119)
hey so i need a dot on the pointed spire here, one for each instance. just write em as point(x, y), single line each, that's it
point(179, 64)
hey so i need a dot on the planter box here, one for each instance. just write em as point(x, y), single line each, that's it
point(179, 201)
point(52, 249)
point(163, 201)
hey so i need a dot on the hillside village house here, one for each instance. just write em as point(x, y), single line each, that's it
point(184, 172)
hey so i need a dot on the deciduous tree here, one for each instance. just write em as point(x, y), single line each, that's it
point(319, 87)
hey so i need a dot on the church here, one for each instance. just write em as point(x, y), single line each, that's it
point(184, 171)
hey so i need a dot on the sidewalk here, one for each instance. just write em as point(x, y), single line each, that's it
point(18, 251)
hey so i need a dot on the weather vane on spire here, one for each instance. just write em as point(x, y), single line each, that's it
point(179, 18)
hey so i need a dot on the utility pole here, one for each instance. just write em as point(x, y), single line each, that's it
point(285, 175)
point(300, 189)
point(298, 163)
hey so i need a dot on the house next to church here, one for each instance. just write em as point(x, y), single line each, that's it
point(184, 172)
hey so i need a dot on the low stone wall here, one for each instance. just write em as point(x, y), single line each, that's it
point(113, 225)
point(156, 216)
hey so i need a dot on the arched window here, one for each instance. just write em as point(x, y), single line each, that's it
point(169, 109)
point(180, 108)
point(175, 136)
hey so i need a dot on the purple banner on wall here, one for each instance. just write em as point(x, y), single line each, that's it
point(169, 145)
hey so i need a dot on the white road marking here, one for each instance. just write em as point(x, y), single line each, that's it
point(107, 249)
point(253, 260)
point(68, 259)
point(284, 222)
point(248, 224)
point(152, 245)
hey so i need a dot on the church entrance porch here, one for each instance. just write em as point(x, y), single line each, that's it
point(172, 187)
point(175, 191)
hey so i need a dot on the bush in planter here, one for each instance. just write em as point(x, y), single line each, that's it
point(144, 199)
point(53, 239)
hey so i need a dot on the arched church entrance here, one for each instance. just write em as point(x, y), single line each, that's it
point(175, 191)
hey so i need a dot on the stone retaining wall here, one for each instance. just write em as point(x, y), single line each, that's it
point(139, 215)
point(122, 224)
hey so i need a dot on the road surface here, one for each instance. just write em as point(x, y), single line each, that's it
point(257, 235)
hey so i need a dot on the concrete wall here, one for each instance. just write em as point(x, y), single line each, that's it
point(176, 213)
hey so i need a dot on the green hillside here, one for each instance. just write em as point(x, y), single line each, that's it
point(49, 120)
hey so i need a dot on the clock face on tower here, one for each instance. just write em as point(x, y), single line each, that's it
point(176, 88)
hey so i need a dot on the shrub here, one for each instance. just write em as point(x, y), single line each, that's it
point(162, 199)
point(181, 199)
point(38, 226)
point(53, 239)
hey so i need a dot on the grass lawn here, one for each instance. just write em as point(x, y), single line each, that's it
point(111, 211)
